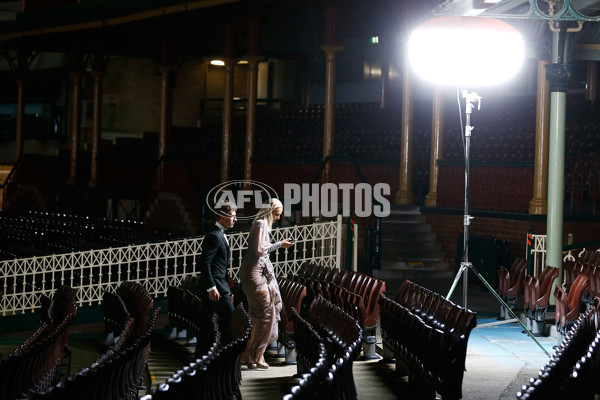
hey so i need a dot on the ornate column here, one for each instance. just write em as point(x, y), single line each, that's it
point(251, 114)
point(329, 117)
point(166, 101)
point(539, 203)
point(98, 74)
point(437, 144)
point(253, 60)
point(385, 72)
point(166, 118)
point(22, 68)
point(330, 48)
point(405, 196)
point(75, 74)
point(230, 62)
point(227, 118)
point(20, 116)
point(591, 92)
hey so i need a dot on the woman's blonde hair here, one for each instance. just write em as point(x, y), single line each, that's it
point(266, 213)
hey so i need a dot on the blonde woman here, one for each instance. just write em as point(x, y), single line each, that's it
point(260, 286)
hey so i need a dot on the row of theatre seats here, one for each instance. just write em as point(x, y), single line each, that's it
point(41, 233)
point(537, 291)
point(215, 371)
point(572, 371)
point(35, 365)
point(355, 293)
point(327, 343)
point(338, 305)
point(580, 287)
point(427, 335)
point(119, 371)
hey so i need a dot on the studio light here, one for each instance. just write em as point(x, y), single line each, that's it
point(465, 51)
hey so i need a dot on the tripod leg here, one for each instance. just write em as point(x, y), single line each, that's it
point(510, 311)
point(462, 268)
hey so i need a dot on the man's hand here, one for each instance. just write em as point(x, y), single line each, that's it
point(214, 295)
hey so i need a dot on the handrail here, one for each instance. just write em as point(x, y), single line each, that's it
point(7, 181)
point(152, 178)
point(10, 174)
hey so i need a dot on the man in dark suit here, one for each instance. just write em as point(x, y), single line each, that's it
point(214, 262)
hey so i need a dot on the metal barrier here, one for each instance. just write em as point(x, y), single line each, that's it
point(538, 253)
point(155, 265)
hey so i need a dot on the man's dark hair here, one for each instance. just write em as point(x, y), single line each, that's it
point(224, 209)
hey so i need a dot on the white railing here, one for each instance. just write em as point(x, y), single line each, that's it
point(155, 265)
point(538, 252)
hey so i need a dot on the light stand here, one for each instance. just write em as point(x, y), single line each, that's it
point(465, 265)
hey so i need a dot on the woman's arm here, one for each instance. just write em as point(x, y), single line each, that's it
point(257, 242)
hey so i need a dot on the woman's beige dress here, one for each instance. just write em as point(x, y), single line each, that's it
point(260, 286)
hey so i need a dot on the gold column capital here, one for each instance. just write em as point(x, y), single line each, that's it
point(98, 74)
point(75, 75)
point(331, 49)
point(253, 58)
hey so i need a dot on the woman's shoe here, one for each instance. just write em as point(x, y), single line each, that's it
point(251, 365)
point(261, 365)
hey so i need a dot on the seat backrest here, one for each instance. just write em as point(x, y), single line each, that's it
point(405, 291)
point(516, 268)
point(574, 296)
point(239, 323)
point(115, 312)
point(560, 296)
point(548, 279)
point(345, 278)
point(138, 301)
point(64, 302)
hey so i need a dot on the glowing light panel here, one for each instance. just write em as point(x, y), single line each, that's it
point(465, 51)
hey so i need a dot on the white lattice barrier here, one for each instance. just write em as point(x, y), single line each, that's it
point(538, 252)
point(155, 265)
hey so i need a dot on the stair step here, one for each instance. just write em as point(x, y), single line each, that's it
point(414, 255)
point(395, 228)
point(404, 245)
point(407, 237)
point(405, 219)
point(405, 210)
point(408, 242)
point(435, 252)
point(391, 269)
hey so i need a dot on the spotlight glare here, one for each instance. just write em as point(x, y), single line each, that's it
point(466, 51)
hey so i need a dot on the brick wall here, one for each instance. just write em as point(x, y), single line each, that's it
point(133, 85)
